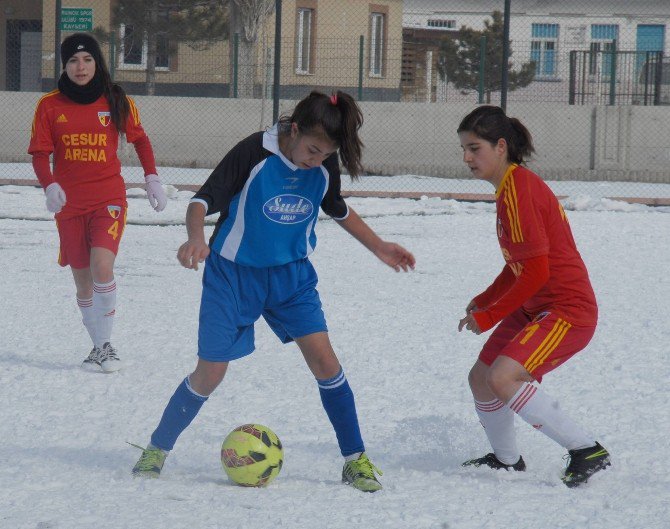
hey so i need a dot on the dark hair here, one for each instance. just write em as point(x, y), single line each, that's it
point(119, 108)
point(490, 123)
point(338, 117)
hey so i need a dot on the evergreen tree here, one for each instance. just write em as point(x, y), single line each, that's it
point(459, 60)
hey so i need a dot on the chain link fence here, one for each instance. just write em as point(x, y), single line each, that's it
point(590, 79)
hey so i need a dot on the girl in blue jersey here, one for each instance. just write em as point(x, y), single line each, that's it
point(267, 191)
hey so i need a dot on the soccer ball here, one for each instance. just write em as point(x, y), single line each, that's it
point(252, 455)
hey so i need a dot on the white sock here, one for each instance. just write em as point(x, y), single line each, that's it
point(542, 412)
point(87, 316)
point(352, 457)
point(104, 305)
point(498, 422)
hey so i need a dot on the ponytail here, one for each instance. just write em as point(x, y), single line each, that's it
point(338, 118)
point(491, 124)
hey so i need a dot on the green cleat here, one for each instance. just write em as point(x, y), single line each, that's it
point(150, 462)
point(360, 474)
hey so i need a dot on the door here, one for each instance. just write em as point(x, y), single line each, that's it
point(31, 62)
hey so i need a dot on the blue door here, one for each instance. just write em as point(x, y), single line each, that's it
point(650, 37)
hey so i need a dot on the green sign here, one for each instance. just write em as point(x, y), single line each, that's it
point(76, 18)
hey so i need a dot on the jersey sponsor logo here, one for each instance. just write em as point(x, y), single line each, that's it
point(85, 147)
point(500, 228)
point(114, 211)
point(61, 119)
point(104, 118)
point(288, 209)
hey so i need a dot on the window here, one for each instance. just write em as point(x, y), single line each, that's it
point(543, 47)
point(377, 31)
point(304, 41)
point(441, 23)
point(134, 48)
point(602, 44)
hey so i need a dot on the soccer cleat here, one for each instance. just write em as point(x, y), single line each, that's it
point(490, 460)
point(109, 360)
point(92, 361)
point(360, 474)
point(150, 463)
point(584, 463)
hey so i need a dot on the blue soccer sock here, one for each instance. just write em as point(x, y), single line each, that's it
point(179, 412)
point(338, 401)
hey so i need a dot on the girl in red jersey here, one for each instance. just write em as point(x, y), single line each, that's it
point(80, 123)
point(542, 300)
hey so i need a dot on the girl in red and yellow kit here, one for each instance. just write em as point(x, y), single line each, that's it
point(542, 302)
point(80, 124)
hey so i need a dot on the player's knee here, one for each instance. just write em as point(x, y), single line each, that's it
point(497, 381)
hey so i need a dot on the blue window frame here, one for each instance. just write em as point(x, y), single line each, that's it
point(602, 46)
point(543, 49)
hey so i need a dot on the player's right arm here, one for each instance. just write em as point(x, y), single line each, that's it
point(41, 143)
point(195, 249)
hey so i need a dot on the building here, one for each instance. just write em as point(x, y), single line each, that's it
point(349, 44)
point(550, 33)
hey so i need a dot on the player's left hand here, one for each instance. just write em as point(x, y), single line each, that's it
point(155, 192)
point(469, 323)
point(396, 256)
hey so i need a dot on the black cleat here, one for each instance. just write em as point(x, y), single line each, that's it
point(490, 460)
point(584, 463)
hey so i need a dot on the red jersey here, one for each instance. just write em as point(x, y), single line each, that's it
point(532, 223)
point(84, 142)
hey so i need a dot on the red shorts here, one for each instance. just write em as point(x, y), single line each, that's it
point(540, 344)
point(101, 228)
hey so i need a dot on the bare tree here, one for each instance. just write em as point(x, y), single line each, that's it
point(198, 23)
point(246, 18)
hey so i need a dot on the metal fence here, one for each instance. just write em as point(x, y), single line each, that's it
point(584, 85)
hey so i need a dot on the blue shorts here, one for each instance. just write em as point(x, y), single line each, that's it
point(235, 296)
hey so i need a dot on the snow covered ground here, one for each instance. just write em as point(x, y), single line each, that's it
point(65, 464)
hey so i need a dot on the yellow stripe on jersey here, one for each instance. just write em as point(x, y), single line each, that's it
point(512, 204)
point(134, 112)
point(49, 94)
point(548, 345)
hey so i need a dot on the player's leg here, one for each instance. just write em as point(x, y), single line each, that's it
point(225, 333)
point(105, 230)
point(544, 344)
point(496, 418)
point(338, 402)
point(74, 251)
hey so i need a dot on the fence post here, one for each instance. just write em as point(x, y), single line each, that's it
point(573, 75)
point(657, 78)
point(482, 67)
point(112, 54)
point(57, 42)
point(361, 50)
point(276, 79)
point(236, 65)
point(613, 74)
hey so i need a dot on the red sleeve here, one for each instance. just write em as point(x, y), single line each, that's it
point(146, 155)
point(500, 285)
point(135, 134)
point(42, 168)
point(40, 131)
point(534, 274)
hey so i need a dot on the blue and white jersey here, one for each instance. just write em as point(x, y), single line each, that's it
point(268, 206)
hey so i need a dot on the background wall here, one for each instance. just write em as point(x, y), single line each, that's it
point(573, 142)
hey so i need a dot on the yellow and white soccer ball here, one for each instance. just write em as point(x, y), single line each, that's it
point(252, 455)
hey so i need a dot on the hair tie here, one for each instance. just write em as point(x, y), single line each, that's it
point(333, 99)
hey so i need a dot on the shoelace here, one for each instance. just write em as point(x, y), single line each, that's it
point(149, 458)
point(108, 353)
point(367, 468)
point(94, 355)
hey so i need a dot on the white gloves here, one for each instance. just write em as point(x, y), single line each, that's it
point(55, 197)
point(155, 193)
